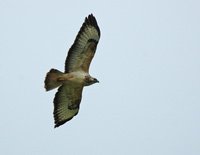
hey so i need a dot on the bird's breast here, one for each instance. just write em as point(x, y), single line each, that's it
point(75, 77)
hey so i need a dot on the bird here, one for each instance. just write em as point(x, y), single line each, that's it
point(76, 75)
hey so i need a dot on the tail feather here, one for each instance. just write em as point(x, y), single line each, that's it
point(51, 80)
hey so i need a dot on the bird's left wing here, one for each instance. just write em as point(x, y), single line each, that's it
point(66, 103)
point(82, 51)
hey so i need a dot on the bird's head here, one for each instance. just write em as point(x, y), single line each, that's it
point(90, 80)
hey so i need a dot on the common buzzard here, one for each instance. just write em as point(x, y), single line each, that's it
point(76, 76)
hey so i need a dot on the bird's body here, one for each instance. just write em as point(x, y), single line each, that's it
point(76, 76)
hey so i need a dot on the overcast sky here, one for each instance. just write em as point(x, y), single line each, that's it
point(147, 62)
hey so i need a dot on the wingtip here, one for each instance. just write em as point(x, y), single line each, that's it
point(55, 126)
point(91, 15)
point(91, 20)
point(59, 123)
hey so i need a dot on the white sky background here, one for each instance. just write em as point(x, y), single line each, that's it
point(147, 62)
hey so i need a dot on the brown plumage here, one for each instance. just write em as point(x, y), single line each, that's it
point(76, 76)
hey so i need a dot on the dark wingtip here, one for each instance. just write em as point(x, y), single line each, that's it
point(91, 20)
point(57, 123)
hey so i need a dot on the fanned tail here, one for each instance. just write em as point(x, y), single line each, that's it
point(51, 80)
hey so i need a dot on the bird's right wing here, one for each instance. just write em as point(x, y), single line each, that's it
point(66, 103)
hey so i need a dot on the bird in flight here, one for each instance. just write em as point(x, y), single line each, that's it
point(76, 75)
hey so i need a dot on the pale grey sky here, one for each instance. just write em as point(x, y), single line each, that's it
point(147, 62)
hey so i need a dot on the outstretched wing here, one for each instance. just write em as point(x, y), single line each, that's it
point(66, 103)
point(82, 51)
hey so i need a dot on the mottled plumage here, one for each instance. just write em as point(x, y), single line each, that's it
point(76, 76)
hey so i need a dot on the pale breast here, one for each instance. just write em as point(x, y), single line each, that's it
point(75, 77)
